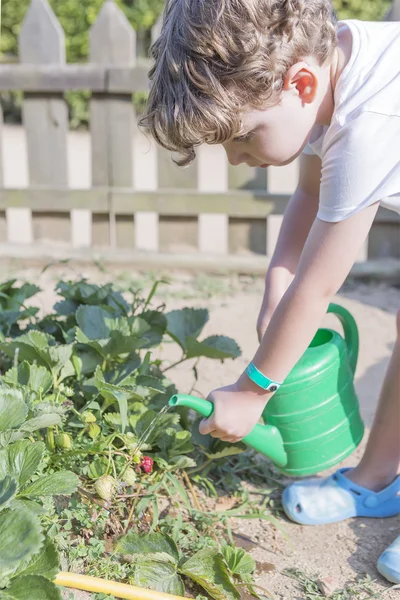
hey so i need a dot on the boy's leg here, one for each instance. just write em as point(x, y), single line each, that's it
point(381, 461)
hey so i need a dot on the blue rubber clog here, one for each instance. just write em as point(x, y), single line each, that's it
point(389, 562)
point(336, 498)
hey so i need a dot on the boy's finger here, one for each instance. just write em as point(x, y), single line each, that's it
point(206, 426)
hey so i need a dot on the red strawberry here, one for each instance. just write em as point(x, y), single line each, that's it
point(147, 464)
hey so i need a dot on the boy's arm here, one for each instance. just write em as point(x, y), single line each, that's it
point(329, 253)
point(291, 239)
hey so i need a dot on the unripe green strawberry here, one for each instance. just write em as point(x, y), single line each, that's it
point(129, 476)
point(105, 487)
point(137, 458)
point(93, 430)
point(63, 441)
point(88, 417)
point(50, 443)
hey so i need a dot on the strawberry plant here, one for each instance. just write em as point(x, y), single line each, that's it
point(83, 393)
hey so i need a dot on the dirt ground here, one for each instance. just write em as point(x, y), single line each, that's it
point(341, 551)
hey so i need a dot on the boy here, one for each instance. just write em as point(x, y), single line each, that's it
point(270, 80)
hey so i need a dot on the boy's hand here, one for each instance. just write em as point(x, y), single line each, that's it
point(237, 408)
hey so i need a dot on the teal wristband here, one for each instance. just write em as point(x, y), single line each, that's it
point(260, 379)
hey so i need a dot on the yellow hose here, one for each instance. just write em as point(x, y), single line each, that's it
point(120, 590)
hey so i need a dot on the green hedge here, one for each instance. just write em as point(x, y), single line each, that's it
point(76, 17)
point(366, 10)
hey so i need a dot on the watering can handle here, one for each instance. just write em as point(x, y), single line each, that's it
point(350, 330)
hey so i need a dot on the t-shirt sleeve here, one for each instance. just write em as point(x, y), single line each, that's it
point(360, 165)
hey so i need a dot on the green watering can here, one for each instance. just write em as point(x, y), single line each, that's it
point(313, 421)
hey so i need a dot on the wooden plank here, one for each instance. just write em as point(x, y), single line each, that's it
point(283, 180)
point(45, 118)
point(101, 231)
point(1, 147)
point(51, 227)
point(112, 41)
point(55, 199)
point(3, 227)
point(274, 223)
point(145, 178)
point(192, 203)
point(125, 231)
point(146, 231)
point(172, 176)
point(81, 228)
point(127, 80)
point(395, 11)
point(247, 236)
point(178, 234)
point(53, 78)
point(384, 241)
point(243, 177)
point(213, 233)
point(19, 225)
point(213, 177)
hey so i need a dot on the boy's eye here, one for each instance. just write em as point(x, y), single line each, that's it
point(245, 137)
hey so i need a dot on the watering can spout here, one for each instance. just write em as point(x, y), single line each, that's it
point(263, 438)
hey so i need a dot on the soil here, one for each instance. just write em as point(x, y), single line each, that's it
point(342, 551)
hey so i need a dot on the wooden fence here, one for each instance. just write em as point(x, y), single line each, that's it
point(138, 199)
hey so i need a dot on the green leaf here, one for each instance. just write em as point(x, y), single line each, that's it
point(152, 543)
point(239, 562)
point(22, 459)
point(207, 568)
point(13, 409)
point(159, 576)
point(179, 489)
point(94, 321)
point(36, 377)
point(29, 505)
point(113, 393)
point(98, 467)
point(45, 563)
point(31, 587)
point(184, 323)
point(40, 347)
point(150, 382)
point(62, 483)
point(227, 451)
point(21, 538)
point(65, 308)
point(41, 422)
point(181, 462)
point(158, 324)
point(216, 346)
point(146, 423)
point(8, 491)
point(174, 442)
point(85, 360)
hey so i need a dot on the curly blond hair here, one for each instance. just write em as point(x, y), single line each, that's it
point(216, 58)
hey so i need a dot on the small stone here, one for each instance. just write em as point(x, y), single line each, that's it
point(327, 586)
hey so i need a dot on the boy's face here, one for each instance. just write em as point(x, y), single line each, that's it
point(277, 135)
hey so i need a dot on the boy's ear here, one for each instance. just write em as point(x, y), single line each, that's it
point(302, 78)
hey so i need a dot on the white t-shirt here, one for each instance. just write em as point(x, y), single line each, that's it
point(360, 150)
